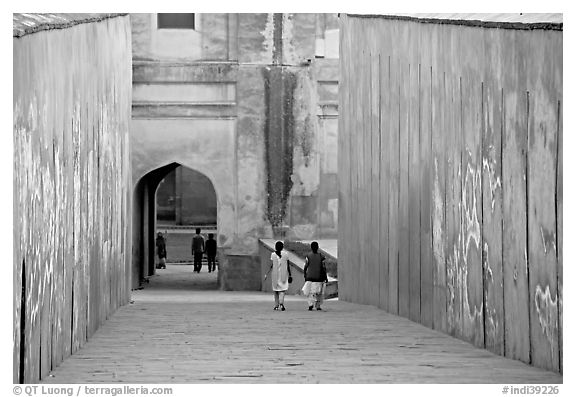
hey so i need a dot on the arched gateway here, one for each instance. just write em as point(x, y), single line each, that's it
point(146, 213)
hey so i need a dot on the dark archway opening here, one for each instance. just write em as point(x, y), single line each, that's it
point(186, 197)
point(173, 200)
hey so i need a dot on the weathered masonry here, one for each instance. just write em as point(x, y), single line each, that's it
point(450, 176)
point(72, 183)
point(250, 102)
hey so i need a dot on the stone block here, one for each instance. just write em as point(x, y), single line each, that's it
point(239, 273)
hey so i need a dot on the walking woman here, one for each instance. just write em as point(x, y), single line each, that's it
point(281, 275)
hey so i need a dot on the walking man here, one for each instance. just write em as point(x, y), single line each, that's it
point(315, 277)
point(197, 250)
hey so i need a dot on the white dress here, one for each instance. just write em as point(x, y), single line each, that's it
point(279, 274)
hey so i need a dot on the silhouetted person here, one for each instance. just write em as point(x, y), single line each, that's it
point(315, 277)
point(197, 250)
point(161, 251)
point(211, 247)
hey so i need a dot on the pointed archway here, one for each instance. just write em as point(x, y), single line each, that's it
point(194, 202)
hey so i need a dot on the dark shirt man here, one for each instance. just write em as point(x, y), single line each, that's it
point(197, 250)
point(315, 269)
point(315, 277)
point(211, 247)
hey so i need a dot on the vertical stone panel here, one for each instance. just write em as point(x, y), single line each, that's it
point(345, 235)
point(514, 153)
point(250, 176)
point(470, 48)
point(453, 185)
point(356, 154)
point(364, 173)
point(393, 153)
point(384, 144)
point(79, 205)
point(403, 220)
point(413, 196)
point(344, 160)
point(426, 167)
point(345, 174)
point(18, 291)
point(438, 172)
point(378, 264)
point(352, 263)
point(559, 207)
point(492, 194)
point(543, 76)
point(560, 233)
point(68, 196)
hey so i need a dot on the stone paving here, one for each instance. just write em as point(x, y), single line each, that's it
point(178, 330)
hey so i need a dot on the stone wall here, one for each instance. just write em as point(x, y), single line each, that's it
point(450, 177)
point(238, 272)
point(72, 183)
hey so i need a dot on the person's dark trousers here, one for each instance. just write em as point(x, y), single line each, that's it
point(211, 262)
point(197, 262)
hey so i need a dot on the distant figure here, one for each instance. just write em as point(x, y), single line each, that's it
point(315, 276)
point(197, 250)
point(161, 251)
point(211, 252)
point(281, 275)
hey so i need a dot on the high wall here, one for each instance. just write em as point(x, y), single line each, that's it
point(237, 100)
point(450, 177)
point(72, 183)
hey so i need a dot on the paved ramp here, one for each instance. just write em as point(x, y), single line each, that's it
point(175, 334)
